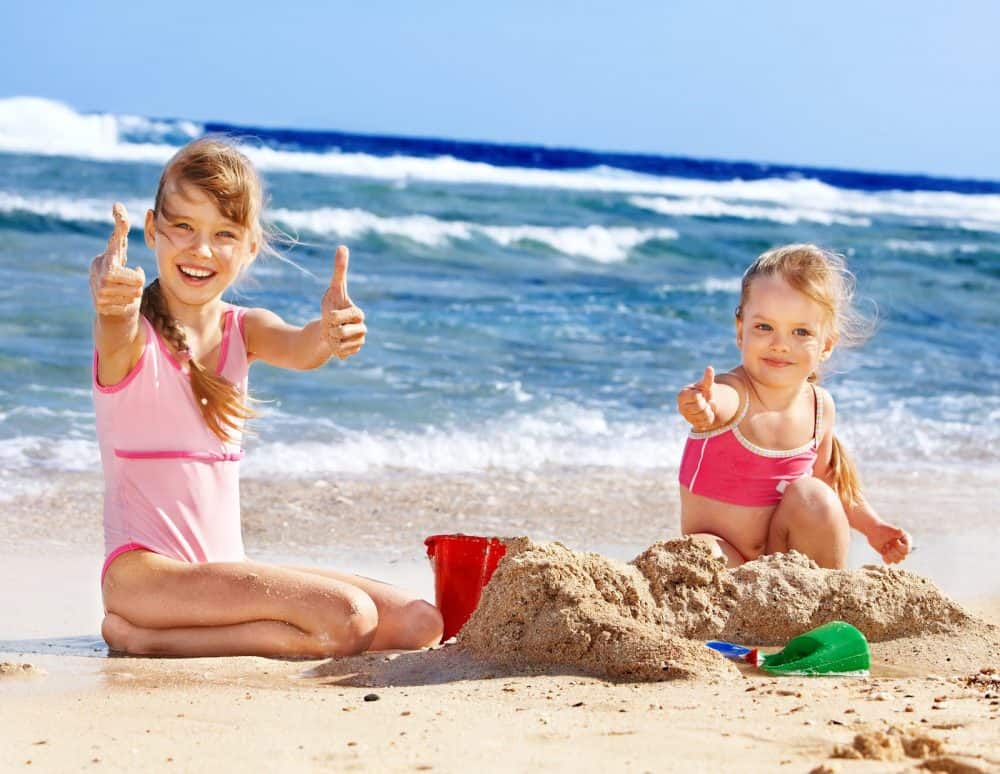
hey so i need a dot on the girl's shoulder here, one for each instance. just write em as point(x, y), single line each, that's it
point(736, 379)
point(262, 331)
point(256, 318)
point(738, 405)
point(115, 368)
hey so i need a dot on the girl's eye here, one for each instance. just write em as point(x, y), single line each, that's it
point(802, 332)
point(227, 235)
point(182, 226)
point(763, 327)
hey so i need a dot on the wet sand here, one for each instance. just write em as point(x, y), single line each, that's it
point(619, 513)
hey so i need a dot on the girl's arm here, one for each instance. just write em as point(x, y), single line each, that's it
point(708, 404)
point(117, 294)
point(340, 331)
point(890, 541)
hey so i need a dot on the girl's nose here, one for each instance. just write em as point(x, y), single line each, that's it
point(203, 248)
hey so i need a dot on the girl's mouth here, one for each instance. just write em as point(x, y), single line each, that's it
point(777, 363)
point(195, 274)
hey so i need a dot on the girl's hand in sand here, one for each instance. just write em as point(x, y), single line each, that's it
point(891, 542)
point(345, 323)
point(116, 289)
point(696, 402)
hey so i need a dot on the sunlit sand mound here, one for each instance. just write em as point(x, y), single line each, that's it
point(649, 619)
point(550, 605)
point(774, 598)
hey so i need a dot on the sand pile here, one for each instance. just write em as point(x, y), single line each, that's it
point(896, 745)
point(547, 604)
point(770, 600)
point(648, 620)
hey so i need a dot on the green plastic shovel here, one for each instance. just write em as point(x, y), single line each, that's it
point(833, 648)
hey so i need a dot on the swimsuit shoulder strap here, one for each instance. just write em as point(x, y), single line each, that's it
point(744, 407)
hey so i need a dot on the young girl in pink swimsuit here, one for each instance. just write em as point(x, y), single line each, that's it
point(170, 387)
point(762, 471)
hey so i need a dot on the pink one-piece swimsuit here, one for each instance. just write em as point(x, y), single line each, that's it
point(725, 465)
point(170, 485)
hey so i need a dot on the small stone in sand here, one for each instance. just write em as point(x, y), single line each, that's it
point(986, 679)
point(12, 669)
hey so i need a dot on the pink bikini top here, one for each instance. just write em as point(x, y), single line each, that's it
point(171, 486)
point(723, 465)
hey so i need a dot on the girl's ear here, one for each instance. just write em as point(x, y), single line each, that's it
point(829, 343)
point(149, 229)
point(253, 249)
point(739, 332)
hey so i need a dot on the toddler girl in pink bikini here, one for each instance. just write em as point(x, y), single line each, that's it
point(762, 471)
point(170, 393)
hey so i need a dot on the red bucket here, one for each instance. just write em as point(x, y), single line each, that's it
point(463, 564)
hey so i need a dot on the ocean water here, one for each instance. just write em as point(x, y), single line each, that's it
point(527, 307)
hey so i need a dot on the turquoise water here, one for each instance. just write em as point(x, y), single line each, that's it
point(524, 308)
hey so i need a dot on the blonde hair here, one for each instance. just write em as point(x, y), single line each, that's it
point(221, 172)
point(823, 277)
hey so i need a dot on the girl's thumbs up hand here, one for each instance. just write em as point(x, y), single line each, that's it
point(696, 402)
point(116, 289)
point(345, 322)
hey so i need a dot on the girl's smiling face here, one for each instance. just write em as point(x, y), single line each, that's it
point(199, 251)
point(783, 335)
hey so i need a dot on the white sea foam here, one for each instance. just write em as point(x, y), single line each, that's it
point(32, 125)
point(33, 453)
point(566, 435)
point(68, 209)
point(922, 247)
point(349, 223)
point(710, 207)
point(708, 285)
point(805, 196)
point(600, 243)
point(44, 127)
point(804, 199)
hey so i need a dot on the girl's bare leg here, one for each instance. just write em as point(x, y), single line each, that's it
point(811, 519)
point(720, 547)
point(160, 606)
point(405, 622)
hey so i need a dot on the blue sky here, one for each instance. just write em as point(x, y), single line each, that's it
point(887, 85)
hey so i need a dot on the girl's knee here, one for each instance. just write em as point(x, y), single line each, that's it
point(348, 628)
point(120, 635)
point(421, 626)
point(812, 501)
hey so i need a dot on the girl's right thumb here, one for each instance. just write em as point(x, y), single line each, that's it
point(708, 379)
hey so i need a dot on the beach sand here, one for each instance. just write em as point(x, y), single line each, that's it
point(73, 707)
